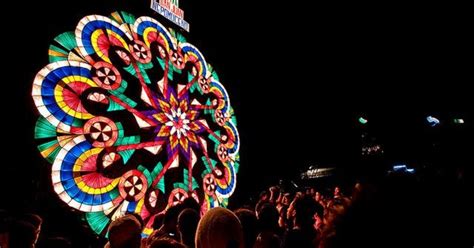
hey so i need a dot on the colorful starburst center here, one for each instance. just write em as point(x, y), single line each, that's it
point(178, 122)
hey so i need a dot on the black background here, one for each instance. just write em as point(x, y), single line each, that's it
point(298, 77)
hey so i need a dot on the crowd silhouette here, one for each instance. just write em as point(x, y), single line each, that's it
point(395, 212)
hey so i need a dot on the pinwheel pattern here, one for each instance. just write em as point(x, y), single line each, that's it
point(133, 119)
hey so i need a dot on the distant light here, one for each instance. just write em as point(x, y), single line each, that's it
point(433, 121)
point(317, 173)
point(402, 168)
point(399, 167)
point(294, 184)
point(375, 149)
point(459, 121)
point(362, 120)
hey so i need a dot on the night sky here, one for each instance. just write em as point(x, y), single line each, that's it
point(298, 78)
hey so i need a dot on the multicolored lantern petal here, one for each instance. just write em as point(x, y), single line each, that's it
point(133, 120)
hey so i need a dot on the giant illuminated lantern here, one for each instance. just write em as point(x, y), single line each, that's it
point(133, 119)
